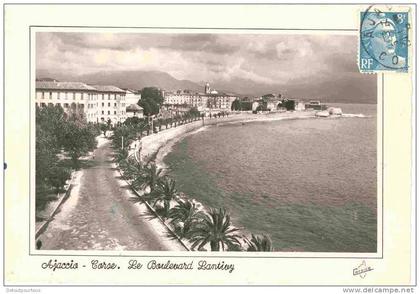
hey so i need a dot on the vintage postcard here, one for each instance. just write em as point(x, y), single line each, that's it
point(160, 145)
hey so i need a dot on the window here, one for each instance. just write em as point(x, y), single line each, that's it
point(103, 104)
point(74, 96)
point(42, 95)
point(109, 104)
point(50, 95)
point(109, 96)
point(66, 105)
point(115, 104)
point(103, 96)
point(65, 95)
point(102, 112)
point(109, 112)
point(81, 96)
point(115, 112)
point(115, 96)
point(42, 104)
point(58, 95)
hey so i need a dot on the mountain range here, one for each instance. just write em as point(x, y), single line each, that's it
point(351, 88)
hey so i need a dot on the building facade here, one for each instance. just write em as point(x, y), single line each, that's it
point(132, 97)
point(111, 104)
point(98, 103)
point(207, 101)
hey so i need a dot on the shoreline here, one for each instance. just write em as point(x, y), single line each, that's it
point(161, 144)
point(156, 146)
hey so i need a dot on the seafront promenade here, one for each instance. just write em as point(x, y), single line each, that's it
point(99, 215)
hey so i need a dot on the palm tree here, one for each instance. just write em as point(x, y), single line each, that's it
point(214, 228)
point(164, 193)
point(259, 243)
point(151, 176)
point(121, 155)
point(136, 172)
point(184, 216)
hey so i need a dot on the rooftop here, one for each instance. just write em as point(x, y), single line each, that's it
point(54, 85)
point(106, 88)
point(133, 108)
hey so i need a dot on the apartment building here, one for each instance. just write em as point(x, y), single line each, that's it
point(98, 102)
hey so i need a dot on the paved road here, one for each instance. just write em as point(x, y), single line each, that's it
point(98, 214)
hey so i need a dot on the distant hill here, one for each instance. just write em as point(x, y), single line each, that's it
point(351, 87)
point(127, 79)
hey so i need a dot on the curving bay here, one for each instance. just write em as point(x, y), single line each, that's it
point(311, 184)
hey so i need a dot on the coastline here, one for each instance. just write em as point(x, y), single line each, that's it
point(155, 147)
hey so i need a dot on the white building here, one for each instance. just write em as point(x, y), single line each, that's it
point(132, 97)
point(111, 104)
point(68, 95)
point(209, 100)
point(179, 97)
point(98, 103)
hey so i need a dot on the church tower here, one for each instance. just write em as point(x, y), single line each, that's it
point(207, 89)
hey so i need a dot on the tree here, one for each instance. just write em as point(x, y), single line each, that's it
point(147, 108)
point(152, 176)
point(236, 104)
point(136, 172)
point(151, 100)
point(129, 132)
point(121, 155)
point(57, 177)
point(57, 131)
point(288, 104)
point(259, 243)
point(77, 141)
point(104, 128)
point(214, 228)
point(76, 113)
point(164, 193)
point(51, 120)
point(184, 216)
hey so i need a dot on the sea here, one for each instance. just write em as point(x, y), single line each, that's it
point(310, 184)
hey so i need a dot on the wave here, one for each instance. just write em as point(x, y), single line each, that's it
point(355, 115)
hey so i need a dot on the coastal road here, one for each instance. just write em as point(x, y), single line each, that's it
point(99, 215)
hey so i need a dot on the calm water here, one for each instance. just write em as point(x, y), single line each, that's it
point(308, 183)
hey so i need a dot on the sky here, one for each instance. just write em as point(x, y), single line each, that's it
point(263, 58)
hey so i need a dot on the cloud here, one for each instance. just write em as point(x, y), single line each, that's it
point(263, 58)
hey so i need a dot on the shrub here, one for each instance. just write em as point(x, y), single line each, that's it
point(57, 177)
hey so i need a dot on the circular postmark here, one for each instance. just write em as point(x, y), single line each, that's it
point(384, 37)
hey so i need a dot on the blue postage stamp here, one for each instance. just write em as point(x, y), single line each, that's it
point(384, 41)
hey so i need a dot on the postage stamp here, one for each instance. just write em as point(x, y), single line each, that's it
point(384, 41)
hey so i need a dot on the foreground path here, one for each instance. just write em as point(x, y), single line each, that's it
point(99, 215)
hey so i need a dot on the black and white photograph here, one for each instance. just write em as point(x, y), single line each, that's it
point(204, 142)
